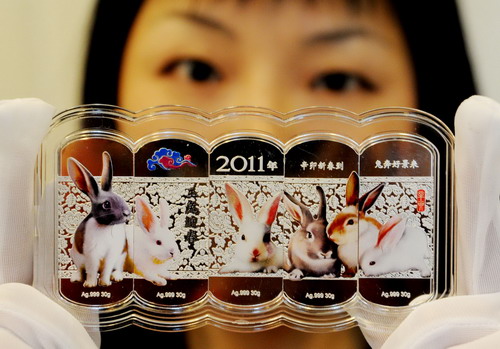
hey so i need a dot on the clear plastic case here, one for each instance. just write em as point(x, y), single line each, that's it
point(246, 218)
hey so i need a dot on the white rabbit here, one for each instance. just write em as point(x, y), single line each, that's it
point(399, 248)
point(351, 229)
point(310, 252)
point(98, 245)
point(254, 251)
point(151, 247)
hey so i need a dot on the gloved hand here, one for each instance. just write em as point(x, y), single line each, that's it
point(471, 320)
point(27, 317)
point(23, 122)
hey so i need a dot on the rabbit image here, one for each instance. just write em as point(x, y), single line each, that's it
point(153, 245)
point(254, 251)
point(310, 252)
point(352, 230)
point(398, 248)
point(98, 246)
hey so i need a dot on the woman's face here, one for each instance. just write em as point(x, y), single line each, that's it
point(281, 55)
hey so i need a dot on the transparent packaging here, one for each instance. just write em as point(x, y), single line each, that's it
point(246, 218)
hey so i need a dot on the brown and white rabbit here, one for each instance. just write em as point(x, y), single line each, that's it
point(98, 246)
point(310, 252)
point(151, 247)
point(352, 229)
point(254, 251)
point(399, 248)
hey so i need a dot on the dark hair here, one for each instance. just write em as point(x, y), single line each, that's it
point(112, 23)
point(432, 29)
point(437, 48)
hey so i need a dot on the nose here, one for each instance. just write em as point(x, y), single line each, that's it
point(264, 85)
point(256, 253)
point(332, 236)
point(264, 97)
point(326, 254)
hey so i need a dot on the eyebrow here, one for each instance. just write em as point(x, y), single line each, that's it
point(204, 21)
point(341, 35)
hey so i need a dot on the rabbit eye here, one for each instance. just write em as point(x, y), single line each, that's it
point(106, 205)
point(309, 235)
point(243, 237)
point(158, 242)
point(372, 263)
point(267, 237)
point(350, 221)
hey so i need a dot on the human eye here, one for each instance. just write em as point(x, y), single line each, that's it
point(195, 70)
point(342, 82)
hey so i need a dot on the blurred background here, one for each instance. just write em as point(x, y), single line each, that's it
point(42, 42)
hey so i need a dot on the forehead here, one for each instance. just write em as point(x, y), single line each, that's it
point(239, 13)
point(354, 6)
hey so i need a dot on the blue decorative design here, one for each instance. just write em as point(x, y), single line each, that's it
point(168, 159)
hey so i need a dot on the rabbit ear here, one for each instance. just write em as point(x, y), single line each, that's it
point(82, 178)
point(369, 198)
point(322, 204)
point(268, 212)
point(145, 215)
point(298, 211)
point(238, 204)
point(164, 213)
point(292, 207)
point(391, 232)
point(107, 171)
point(352, 189)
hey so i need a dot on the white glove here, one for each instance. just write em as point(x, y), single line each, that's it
point(23, 123)
point(465, 322)
point(27, 318)
point(478, 195)
point(473, 319)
